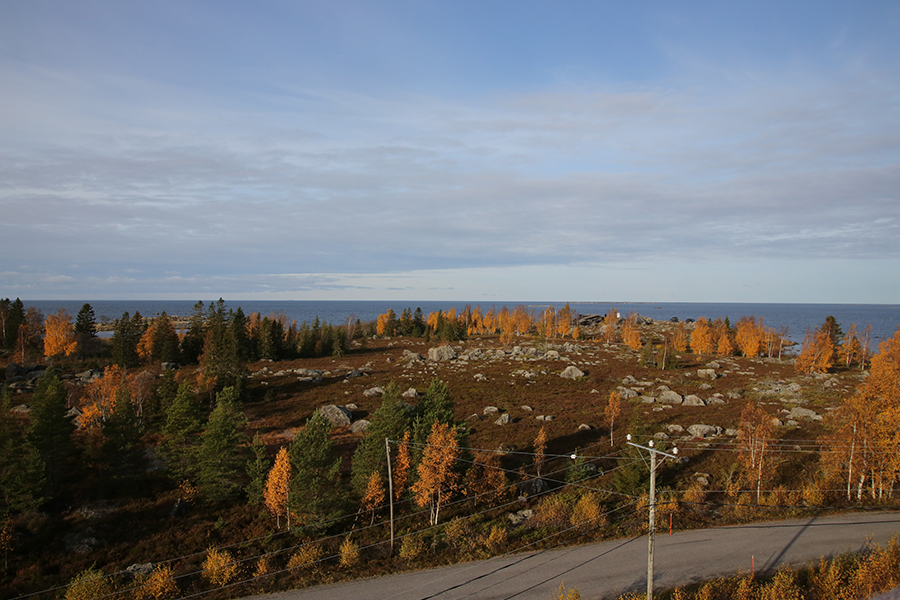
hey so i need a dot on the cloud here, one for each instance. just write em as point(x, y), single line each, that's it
point(268, 191)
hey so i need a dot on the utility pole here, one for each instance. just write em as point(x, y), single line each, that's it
point(652, 525)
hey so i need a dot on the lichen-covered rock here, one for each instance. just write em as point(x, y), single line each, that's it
point(572, 372)
point(337, 416)
point(702, 431)
point(441, 353)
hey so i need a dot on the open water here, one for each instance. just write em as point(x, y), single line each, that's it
point(794, 318)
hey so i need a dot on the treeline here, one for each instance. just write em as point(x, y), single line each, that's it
point(450, 326)
point(222, 340)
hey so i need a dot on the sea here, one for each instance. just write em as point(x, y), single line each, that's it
point(793, 319)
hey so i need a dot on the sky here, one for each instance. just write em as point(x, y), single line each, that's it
point(460, 150)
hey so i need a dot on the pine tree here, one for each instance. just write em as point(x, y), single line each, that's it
point(51, 429)
point(180, 441)
point(389, 421)
point(436, 407)
point(222, 448)
point(257, 468)
point(21, 467)
point(121, 448)
point(85, 321)
point(192, 344)
point(313, 490)
point(127, 333)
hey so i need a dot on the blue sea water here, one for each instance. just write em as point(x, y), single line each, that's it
point(796, 318)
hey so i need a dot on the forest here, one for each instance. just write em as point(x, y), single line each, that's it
point(242, 454)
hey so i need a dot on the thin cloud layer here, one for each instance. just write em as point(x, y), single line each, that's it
point(133, 184)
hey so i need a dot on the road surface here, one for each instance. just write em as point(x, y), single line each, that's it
point(606, 569)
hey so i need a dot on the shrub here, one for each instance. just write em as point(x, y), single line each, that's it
point(219, 568)
point(349, 552)
point(89, 585)
point(159, 585)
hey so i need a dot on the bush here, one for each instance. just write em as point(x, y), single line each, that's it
point(219, 568)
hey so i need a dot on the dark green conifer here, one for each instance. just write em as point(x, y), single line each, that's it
point(222, 448)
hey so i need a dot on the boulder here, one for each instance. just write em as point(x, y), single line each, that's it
point(669, 397)
point(337, 416)
point(490, 410)
point(551, 355)
point(533, 487)
point(626, 393)
point(441, 353)
point(804, 413)
point(371, 392)
point(706, 373)
point(360, 426)
point(702, 431)
point(584, 427)
point(504, 419)
point(572, 372)
point(692, 400)
point(410, 393)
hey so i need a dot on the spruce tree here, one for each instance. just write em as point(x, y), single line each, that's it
point(21, 466)
point(222, 448)
point(85, 321)
point(121, 447)
point(313, 489)
point(127, 333)
point(180, 441)
point(257, 469)
point(51, 429)
point(389, 421)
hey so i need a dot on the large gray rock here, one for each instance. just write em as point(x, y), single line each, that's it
point(337, 416)
point(669, 397)
point(372, 392)
point(706, 373)
point(360, 426)
point(572, 372)
point(692, 400)
point(804, 413)
point(441, 353)
point(504, 419)
point(702, 431)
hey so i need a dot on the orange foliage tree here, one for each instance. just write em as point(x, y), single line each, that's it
point(680, 338)
point(817, 355)
point(437, 479)
point(753, 444)
point(630, 333)
point(612, 411)
point(277, 485)
point(749, 336)
point(701, 339)
point(865, 433)
point(540, 450)
point(402, 466)
point(610, 321)
point(59, 335)
point(374, 496)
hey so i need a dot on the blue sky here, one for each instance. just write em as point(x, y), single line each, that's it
point(476, 151)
